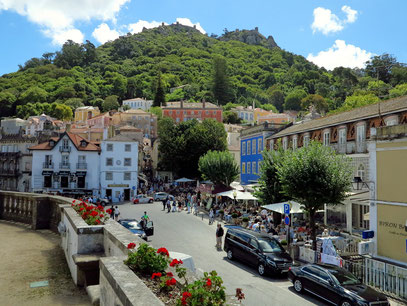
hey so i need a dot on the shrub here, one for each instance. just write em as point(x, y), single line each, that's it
point(283, 242)
point(234, 215)
point(245, 219)
point(146, 260)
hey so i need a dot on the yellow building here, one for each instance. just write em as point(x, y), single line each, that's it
point(258, 112)
point(85, 112)
point(388, 204)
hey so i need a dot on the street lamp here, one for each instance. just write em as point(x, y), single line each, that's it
point(234, 196)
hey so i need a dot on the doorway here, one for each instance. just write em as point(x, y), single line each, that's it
point(81, 182)
point(109, 193)
point(127, 194)
point(64, 182)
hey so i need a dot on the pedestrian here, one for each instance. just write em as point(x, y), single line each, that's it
point(111, 212)
point(189, 206)
point(146, 217)
point(116, 213)
point(164, 203)
point(211, 216)
point(168, 206)
point(195, 209)
point(174, 206)
point(219, 235)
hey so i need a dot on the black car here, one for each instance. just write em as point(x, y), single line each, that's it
point(136, 227)
point(335, 285)
point(256, 249)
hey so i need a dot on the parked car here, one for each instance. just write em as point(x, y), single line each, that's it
point(135, 227)
point(160, 196)
point(102, 201)
point(256, 249)
point(142, 199)
point(334, 285)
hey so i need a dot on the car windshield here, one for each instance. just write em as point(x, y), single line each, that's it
point(133, 225)
point(270, 245)
point(344, 277)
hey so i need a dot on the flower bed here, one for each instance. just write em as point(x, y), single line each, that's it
point(93, 215)
point(151, 266)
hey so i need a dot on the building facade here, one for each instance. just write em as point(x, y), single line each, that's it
point(233, 140)
point(100, 121)
point(252, 143)
point(38, 124)
point(138, 103)
point(139, 119)
point(184, 111)
point(85, 112)
point(388, 195)
point(244, 113)
point(119, 168)
point(68, 164)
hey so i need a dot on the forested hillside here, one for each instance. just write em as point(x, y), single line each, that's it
point(80, 74)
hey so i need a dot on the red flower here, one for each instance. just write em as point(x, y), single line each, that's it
point(109, 211)
point(73, 201)
point(98, 221)
point(171, 282)
point(154, 275)
point(208, 282)
point(88, 208)
point(175, 262)
point(163, 251)
point(101, 215)
point(81, 209)
point(100, 207)
point(131, 245)
point(186, 294)
point(94, 213)
point(169, 274)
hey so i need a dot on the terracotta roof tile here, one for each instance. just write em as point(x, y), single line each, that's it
point(76, 140)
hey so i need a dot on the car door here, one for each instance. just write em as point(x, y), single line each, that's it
point(327, 289)
point(310, 279)
point(149, 229)
point(240, 245)
point(253, 252)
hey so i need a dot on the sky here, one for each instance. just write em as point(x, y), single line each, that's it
point(330, 33)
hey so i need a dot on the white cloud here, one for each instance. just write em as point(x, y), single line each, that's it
point(327, 22)
point(59, 37)
point(341, 54)
point(103, 33)
point(57, 18)
point(188, 22)
point(139, 25)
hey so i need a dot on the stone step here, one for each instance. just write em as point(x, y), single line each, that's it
point(94, 294)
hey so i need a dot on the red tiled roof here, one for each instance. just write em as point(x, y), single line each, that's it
point(76, 140)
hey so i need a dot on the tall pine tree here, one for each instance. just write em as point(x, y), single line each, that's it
point(221, 85)
point(159, 98)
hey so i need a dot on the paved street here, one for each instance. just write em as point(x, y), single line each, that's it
point(181, 232)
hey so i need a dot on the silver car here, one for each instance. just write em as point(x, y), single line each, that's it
point(142, 199)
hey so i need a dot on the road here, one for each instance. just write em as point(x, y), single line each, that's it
point(185, 233)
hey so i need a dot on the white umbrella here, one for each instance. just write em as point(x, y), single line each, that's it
point(279, 207)
point(184, 180)
point(239, 195)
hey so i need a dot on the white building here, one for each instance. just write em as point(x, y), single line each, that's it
point(244, 113)
point(68, 164)
point(138, 103)
point(119, 168)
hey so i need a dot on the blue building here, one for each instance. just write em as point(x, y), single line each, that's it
point(252, 144)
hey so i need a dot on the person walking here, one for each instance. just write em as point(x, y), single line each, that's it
point(168, 205)
point(174, 206)
point(211, 216)
point(219, 235)
point(164, 202)
point(116, 213)
point(112, 212)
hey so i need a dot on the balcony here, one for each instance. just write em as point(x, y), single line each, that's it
point(64, 149)
point(9, 172)
point(81, 166)
point(48, 165)
point(64, 165)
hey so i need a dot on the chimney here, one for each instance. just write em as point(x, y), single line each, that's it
point(203, 103)
point(182, 104)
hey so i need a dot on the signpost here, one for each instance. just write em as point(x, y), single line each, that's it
point(287, 209)
point(287, 220)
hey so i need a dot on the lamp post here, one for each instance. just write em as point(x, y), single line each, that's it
point(234, 196)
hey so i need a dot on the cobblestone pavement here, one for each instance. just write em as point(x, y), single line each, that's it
point(31, 256)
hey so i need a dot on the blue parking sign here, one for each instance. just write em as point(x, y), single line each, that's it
point(287, 209)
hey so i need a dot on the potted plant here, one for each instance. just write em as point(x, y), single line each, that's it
point(234, 217)
point(283, 242)
point(221, 214)
point(245, 221)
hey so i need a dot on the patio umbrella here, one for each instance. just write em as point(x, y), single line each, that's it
point(184, 180)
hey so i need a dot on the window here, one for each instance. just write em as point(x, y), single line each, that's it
point(214, 112)
point(260, 145)
point(361, 172)
point(127, 148)
point(258, 166)
point(360, 138)
point(254, 167)
point(248, 147)
point(109, 176)
point(295, 145)
point(109, 161)
point(306, 140)
point(65, 143)
point(342, 137)
point(248, 167)
point(324, 276)
point(243, 147)
point(254, 243)
point(254, 145)
point(81, 159)
point(127, 176)
point(326, 138)
point(109, 147)
point(243, 168)
point(127, 161)
point(65, 159)
point(285, 143)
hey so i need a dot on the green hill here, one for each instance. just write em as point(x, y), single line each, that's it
point(257, 69)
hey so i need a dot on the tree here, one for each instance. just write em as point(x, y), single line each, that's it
point(231, 117)
point(181, 145)
point(380, 67)
point(6, 103)
point(313, 176)
point(159, 97)
point(276, 97)
point(219, 167)
point(399, 90)
point(317, 101)
point(74, 103)
point(110, 103)
point(293, 99)
point(269, 191)
point(221, 87)
point(156, 111)
point(62, 112)
point(358, 99)
point(34, 94)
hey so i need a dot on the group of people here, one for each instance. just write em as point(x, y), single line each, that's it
point(183, 201)
point(114, 213)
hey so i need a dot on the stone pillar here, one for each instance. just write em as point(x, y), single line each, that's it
point(40, 213)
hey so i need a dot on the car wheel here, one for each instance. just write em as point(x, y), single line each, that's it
point(346, 303)
point(229, 254)
point(261, 269)
point(298, 287)
point(150, 201)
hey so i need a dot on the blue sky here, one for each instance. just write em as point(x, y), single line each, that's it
point(330, 33)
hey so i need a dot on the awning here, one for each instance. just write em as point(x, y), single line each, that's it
point(239, 195)
point(184, 180)
point(47, 173)
point(295, 207)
